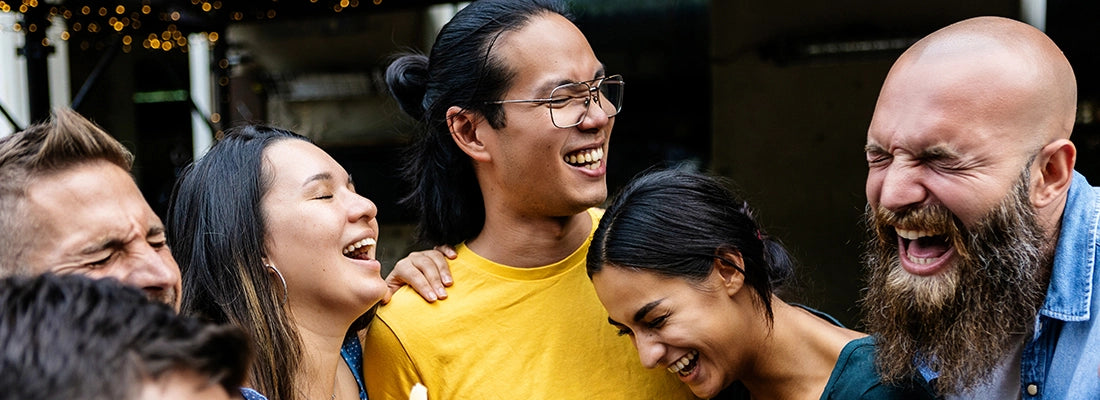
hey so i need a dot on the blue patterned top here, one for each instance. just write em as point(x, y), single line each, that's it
point(352, 351)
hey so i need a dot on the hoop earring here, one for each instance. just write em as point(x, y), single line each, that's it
point(281, 279)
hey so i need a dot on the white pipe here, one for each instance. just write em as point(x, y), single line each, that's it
point(201, 93)
point(1034, 13)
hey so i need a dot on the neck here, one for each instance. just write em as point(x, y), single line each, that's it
point(322, 371)
point(526, 241)
point(316, 377)
point(798, 356)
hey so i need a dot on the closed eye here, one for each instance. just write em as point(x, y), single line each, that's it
point(622, 329)
point(100, 262)
point(657, 323)
point(559, 101)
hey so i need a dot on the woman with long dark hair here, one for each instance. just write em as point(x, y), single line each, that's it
point(271, 236)
point(682, 268)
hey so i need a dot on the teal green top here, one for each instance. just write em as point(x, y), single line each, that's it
point(854, 375)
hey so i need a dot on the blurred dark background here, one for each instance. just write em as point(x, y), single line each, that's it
point(775, 95)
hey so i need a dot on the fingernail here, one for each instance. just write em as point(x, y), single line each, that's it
point(442, 292)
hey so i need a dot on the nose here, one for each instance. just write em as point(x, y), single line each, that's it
point(650, 351)
point(900, 186)
point(595, 117)
point(154, 271)
point(360, 207)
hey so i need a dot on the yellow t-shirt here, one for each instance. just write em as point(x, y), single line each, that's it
point(508, 333)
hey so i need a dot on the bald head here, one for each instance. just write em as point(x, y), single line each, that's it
point(968, 110)
point(1003, 69)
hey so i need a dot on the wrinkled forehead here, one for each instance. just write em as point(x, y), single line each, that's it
point(87, 203)
point(951, 100)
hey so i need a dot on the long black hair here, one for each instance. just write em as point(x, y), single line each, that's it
point(461, 71)
point(216, 229)
point(676, 223)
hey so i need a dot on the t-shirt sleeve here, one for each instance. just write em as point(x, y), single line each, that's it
point(388, 370)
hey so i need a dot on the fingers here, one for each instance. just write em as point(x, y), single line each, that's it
point(389, 293)
point(444, 267)
point(426, 272)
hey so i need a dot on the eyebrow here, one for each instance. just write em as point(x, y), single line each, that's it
point(117, 242)
point(324, 176)
point(100, 246)
point(642, 312)
point(600, 73)
point(938, 152)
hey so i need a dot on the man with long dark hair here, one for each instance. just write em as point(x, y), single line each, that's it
point(517, 114)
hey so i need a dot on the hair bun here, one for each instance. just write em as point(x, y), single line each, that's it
point(407, 78)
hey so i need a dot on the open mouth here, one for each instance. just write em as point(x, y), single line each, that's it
point(685, 364)
point(360, 250)
point(588, 158)
point(923, 248)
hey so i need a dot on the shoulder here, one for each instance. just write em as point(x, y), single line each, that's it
point(596, 213)
point(250, 394)
point(856, 377)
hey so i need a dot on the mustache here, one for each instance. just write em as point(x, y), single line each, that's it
point(932, 218)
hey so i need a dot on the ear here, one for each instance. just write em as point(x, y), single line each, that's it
point(729, 265)
point(1055, 172)
point(463, 125)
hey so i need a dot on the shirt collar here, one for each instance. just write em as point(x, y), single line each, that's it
point(1070, 292)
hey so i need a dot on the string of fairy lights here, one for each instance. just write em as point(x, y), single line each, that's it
point(154, 25)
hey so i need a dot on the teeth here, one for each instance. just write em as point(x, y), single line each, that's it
point(921, 261)
point(682, 362)
point(585, 157)
point(913, 235)
point(357, 245)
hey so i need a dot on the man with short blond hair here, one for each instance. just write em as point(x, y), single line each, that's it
point(69, 205)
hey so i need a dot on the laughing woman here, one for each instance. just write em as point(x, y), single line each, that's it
point(271, 236)
point(682, 268)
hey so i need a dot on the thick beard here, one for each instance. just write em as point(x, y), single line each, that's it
point(959, 323)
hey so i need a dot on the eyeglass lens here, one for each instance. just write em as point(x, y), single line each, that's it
point(571, 102)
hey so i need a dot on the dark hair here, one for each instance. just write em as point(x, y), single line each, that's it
point(216, 229)
point(72, 337)
point(462, 71)
point(65, 140)
point(675, 223)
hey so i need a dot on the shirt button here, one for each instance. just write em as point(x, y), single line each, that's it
point(1032, 389)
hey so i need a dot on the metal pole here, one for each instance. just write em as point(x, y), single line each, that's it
point(36, 50)
point(14, 125)
point(93, 78)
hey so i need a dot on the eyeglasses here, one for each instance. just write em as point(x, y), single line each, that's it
point(568, 103)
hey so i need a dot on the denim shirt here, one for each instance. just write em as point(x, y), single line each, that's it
point(1062, 359)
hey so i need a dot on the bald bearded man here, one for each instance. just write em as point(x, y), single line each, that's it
point(983, 238)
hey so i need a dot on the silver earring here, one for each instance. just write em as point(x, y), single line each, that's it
point(281, 279)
